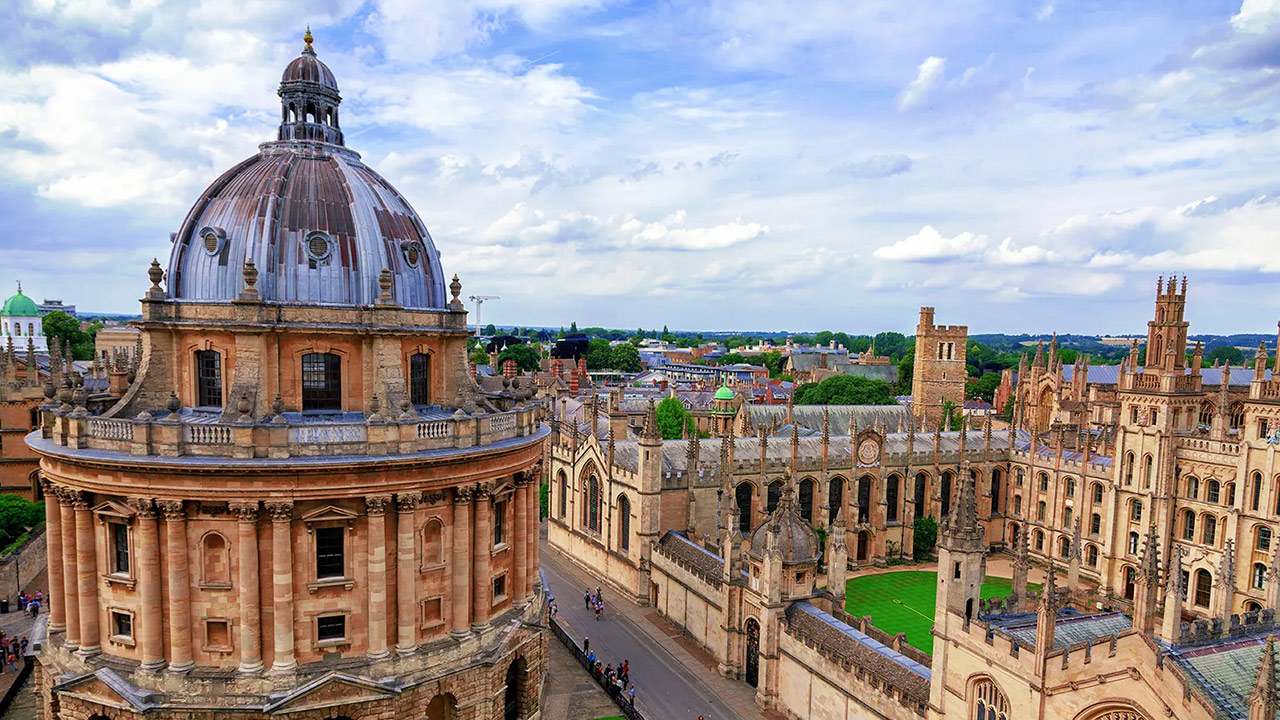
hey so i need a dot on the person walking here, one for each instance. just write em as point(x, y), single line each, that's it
point(586, 599)
point(631, 695)
point(586, 644)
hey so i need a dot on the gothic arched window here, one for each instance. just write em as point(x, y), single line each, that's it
point(1092, 556)
point(1204, 590)
point(743, 495)
point(1189, 525)
point(772, 496)
point(835, 497)
point(564, 495)
point(1214, 493)
point(891, 499)
point(1209, 535)
point(624, 523)
point(806, 499)
point(593, 503)
point(1259, 576)
point(988, 702)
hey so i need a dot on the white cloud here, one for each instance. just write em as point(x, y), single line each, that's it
point(1045, 11)
point(929, 244)
point(876, 166)
point(1256, 15)
point(928, 77)
point(1007, 254)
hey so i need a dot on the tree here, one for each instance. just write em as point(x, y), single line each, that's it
point(489, 330)
point(526, 357)
point(62, 328)
point(924, 538)
point(955, 412)
point(599, 354)
point(732, 358)
point(1218, 355)
point(626, 357)
point(573, 326)
point(17, 514)
point(845, 390)
point(906, 371)
point(891, 344)
point(823, 338)
point(672, 418)
point(479, 356)
point(984, 387)
point(773, 361)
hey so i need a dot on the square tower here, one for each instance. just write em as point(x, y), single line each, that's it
point(939, 373)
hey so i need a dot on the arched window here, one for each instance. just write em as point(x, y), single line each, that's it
point(1252, 607)
point(624, 523)
point(1128, 468)
point(1044, 482)
point(1206, 414)
point(1193, 488)
point(1071, 487)
point(1262, 538)
point(1231, 493)
point(1039, 541)
point(946, 494)
point(420, 379)
point(1204, 584)
point(1091, 556)
point(593, 504)
point(564, 495)
point(1018, 478)
point(433, 543)
point(1148, 469)
point(920, 500)
point(1135, 511)
point(1188, 525)
point(1017, 505)
point(1097, 493)
point(1095, 524)
point(215, 560)
point(864, 499)
point(321, 382)
point(891, 499)
point(772, 496)
point(1257, 491)
point(1237, 416)
point(1210, 532)
point(1214, 492)
point(743, 495)
point(1259, 576)
point(995, 493)
point(1040, 511)
point(1130, 580)
point(988, 702)
point(208, 378)
point(806, 499)
point(1064, 546)
point(1133, 543)
point(1066, 516)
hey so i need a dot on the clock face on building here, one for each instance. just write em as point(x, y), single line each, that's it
point(868, 452)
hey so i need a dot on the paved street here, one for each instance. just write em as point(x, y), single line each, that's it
point(665, 690)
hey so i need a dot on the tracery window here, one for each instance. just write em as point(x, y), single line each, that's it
point(593, 504)
point(564, 495)
point(989, 703)
point(806, 499)
point(891, 500)
point(772, 495)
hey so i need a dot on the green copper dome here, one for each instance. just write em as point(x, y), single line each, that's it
point(724, 393)
point(20, 306)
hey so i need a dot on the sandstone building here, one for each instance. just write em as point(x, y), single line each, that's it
point(939, 373)
point(302, 505)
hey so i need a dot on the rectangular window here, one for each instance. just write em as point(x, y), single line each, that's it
point(321, 381)
point(499, 522)
point(208, 378)
point(119, 548)
point(121, 625)
point(331, 627)
point(329, 553)
point(499, 588)
point(419, 379)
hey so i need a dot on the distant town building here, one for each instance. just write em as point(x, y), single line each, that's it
point(20, 323)
point(115, 338)
point(49, 306)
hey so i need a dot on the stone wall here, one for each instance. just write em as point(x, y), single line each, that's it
point(689, 601)
point(20, 566)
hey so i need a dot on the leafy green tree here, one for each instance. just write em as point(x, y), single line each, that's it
point(845, 390)
point(63, 328)
point(479, 356)
point(773, 361)
point(824, 337)
point(626, 357)
point(731, 359)
point(906, 368)
point(983, 388)
point(1068, 356)
point(859, 344)
point(924, 538)
point(955, 412)
point(672, 418)
point(891, 344)
point(17, 514)
point(573, 326)
point(1218, 355)
point(599, 354)
point(526, 356)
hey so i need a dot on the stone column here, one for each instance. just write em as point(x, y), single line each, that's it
point(53, 545)
point(282, 586)
point(181, 659)
point(406, 575)
point(87, 577)
point(481, 555)
point(460, 564)
point(535, 519)
point(250, 582)
point(151, 612)
point(520, 542)
point(376, 507)
point(70, 577)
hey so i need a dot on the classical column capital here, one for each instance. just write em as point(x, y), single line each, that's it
point(171, 509)
point(280, 511)
point(463, 495)
point(245, 511)
point(484, 489)
point(145, 507)
point(377, 504)
point(75, 498)
point(48, 486)
point(408, 502)
point(521, 479)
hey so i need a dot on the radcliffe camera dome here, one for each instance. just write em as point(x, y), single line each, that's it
point(318, 224)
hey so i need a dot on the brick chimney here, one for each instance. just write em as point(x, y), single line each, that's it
point(508, 368)
point(573, 381)
point(473, 369)
point(557, 368)
point(582, 368)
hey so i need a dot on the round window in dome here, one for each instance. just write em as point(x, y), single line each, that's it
point(319, 245)
point(212, 238)
point(413, 254)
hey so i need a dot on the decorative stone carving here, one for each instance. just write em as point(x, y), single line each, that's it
point(244, 511)
point(377, 504)
point(156, 274)
point(408, 502)
point(171, 509)
point(463, 495)
point(280, 511)
point(434, 498)
point(145, 507)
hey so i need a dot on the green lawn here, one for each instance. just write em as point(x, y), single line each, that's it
point(904, 601)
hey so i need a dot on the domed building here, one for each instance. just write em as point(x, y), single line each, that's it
point(303, 505)
point(20, 323)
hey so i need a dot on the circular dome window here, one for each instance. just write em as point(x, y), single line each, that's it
point(318, 245)
point(212, 239)
point(412, 254)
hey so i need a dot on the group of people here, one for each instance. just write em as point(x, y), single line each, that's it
point(12, 648)
point(616, 679)
point(31, 603)
point(594, 602)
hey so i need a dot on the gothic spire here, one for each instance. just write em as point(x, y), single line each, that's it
point(1265, 699)
point(651, 431)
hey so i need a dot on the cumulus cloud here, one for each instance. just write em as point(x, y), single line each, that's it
point(929, 244)
point(875, 166)
point(929, 76)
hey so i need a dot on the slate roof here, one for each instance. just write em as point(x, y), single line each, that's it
point(810, 416)
point(1069, 629)
point(1225, 671)
point(692, 554)
point(1209, 376)
point(839, 638)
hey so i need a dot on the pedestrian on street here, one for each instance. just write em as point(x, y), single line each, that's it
point(586, 644)
point(631, 695)
point(586, 599)
point(599, 593)
point(12, 661)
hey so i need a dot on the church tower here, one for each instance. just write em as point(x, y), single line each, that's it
point(938, 375)
point(1167, 331)
point(962, 561)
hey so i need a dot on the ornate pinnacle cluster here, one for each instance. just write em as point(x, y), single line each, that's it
point(651, 431)
point(1264, 695)
point(1149, 566)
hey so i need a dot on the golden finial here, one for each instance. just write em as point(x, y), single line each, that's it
point(307, 38)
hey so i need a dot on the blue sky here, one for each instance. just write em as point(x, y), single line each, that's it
point(1023, 166)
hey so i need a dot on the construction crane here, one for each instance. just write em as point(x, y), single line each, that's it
point(479, 301)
